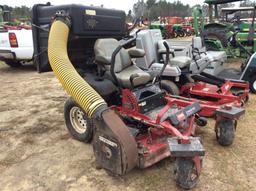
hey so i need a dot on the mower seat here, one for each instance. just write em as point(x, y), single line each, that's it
point(180, 61)
point(124, 69)
point(197, 43)
point(218, 55)
point(215, 55)
point(197, 48)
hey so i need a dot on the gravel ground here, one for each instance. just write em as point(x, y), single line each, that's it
point(37, 153)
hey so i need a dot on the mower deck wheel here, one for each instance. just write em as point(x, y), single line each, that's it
point(170, 87)
point(185, 173)
point(77, 122)
point(225, 132)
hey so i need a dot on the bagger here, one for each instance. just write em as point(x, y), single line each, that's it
point(136, 124)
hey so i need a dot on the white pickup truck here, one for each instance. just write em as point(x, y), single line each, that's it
point(16, 46)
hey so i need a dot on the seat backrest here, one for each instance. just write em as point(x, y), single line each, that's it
point(147, 40)
point(105, 47)
point(198, 43)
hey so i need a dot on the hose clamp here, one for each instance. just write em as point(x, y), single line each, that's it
point(63, 16)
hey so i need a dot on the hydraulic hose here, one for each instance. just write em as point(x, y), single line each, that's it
point(63, 69)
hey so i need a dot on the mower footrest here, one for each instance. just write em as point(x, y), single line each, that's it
point(206, 80)
point(230, 112)
point(222, 80)
point(191, 149)
point(237, 81)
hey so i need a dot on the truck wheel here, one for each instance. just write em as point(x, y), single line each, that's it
point(185, 173)
point(12, 63)
point(225, 132)
point(77, 122)
point(253, 84)
point(169, 87)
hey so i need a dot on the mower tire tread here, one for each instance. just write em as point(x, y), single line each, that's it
point(217, 33)
point(183, 171)
point(225, 132)
point(170, 87)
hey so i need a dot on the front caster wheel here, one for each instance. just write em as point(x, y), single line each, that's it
point(77, 122)
point(185, 172)
point(225, 132)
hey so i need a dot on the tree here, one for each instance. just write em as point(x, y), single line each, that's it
point(129, 17)
point(140, 9)
point(161, 8)
point(150, 3)
point(247, 3)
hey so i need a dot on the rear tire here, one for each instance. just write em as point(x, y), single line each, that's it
point(225, 132)
point(253, 84)
point(13, 64)
point(169, 87)
point(218, 34)
point(77, 122)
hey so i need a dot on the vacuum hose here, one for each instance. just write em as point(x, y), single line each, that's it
point(63, 69)
point(114, 146)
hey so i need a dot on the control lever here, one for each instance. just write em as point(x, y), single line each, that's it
point(158, 78)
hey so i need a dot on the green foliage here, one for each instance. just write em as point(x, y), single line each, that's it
point(140, 9)
point(129, 17)
point(18, 14)
point(247, 3)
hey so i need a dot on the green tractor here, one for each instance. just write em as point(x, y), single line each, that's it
point(162, 27)
point(245, 30)
point(1, 14)
point(219, 29)
point(5, 16)
point(169, 30)
point(177, 28)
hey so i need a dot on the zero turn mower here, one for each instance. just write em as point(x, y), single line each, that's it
point(184, 76)
point(130, 120)
point(140, 126)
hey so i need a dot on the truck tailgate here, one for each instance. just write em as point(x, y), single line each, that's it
point(24, 49)
point(4, 40)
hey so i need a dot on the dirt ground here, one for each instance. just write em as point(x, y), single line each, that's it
point(37, 153)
